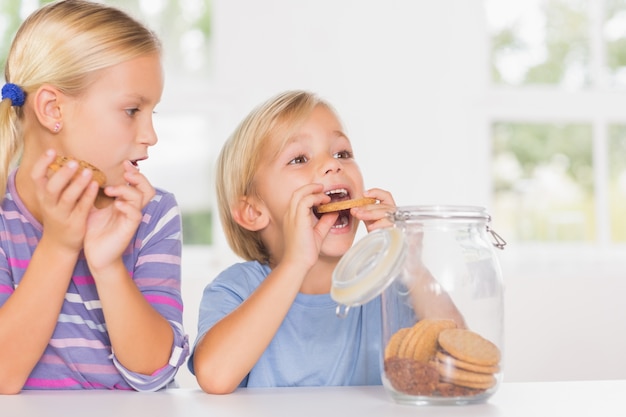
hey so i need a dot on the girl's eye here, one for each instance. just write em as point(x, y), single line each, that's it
point(343, 155)
point(301, 159)
point(131, 112)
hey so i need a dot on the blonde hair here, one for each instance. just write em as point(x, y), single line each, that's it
point(279, 117)
point(62, 44)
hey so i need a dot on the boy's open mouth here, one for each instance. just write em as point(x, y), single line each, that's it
point(336, 195)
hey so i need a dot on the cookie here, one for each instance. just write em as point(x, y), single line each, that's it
point(469, 347)
point(344, 205)
point(448, 360)
point(98, 175)
point(426, 343)
point(393, 345)
point(446, 389)
point(466, 379)
point(407, 345)
point(420, 342)
point(474, 385)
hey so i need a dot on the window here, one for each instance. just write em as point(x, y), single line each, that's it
point(557, 124)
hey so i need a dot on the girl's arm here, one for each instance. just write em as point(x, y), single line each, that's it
point(157, 276)
point(141, 337)
point(29, 315)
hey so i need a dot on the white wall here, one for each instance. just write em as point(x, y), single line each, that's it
point(406, 77)
point(410, 81)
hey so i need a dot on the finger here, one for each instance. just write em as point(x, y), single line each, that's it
point(39, 172)
point(126, 193)
point(139, 181)
point(87, 199)
point(68, 184)
point(384, 197)
point(311, 193)
point(326, 223)
point(379, 224)
point(128, 210)
point(305, 198)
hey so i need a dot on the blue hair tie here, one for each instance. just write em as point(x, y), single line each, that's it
point(14, 93)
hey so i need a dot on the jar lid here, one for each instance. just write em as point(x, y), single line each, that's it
point(368, 267)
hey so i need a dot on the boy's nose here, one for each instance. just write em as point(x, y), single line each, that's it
point(331, 165)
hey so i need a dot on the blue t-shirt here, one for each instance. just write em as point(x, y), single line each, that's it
point(313, 346)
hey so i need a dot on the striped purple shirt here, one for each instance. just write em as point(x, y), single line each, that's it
point(79, 354)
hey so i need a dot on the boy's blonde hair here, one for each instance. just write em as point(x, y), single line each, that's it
point(63, 44)
point(238, 162)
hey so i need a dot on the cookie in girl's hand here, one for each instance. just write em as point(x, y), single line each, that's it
point(98, 175)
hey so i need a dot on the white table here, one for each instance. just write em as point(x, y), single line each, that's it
point(554, 399)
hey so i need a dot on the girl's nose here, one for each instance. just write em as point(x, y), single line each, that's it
point(148, 136)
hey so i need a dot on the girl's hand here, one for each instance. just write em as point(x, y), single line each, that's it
point(110, 229)
point(303, 234)
point(65, 200)
point(375, 215)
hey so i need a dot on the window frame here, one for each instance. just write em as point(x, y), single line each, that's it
point(598, 104)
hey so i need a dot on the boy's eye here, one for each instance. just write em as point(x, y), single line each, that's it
point(343, 155)
point(301, 159)
point(131, 112)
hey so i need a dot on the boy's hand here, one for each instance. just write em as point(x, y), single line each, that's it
point(375, 216)
point(303, 233)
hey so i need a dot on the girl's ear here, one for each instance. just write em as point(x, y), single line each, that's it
point(249, 215)
point(47, 107)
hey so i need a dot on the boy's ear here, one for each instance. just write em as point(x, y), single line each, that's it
point(248, 215)
point(47, 106)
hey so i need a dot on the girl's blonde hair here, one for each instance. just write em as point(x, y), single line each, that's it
point(63, 44)
point(238, 162)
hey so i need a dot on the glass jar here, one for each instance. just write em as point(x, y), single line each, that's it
point(442, 302)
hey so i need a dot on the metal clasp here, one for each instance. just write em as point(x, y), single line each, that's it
point(342, 311)
point(498, 241)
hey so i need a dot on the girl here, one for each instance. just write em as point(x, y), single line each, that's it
point(89, 278)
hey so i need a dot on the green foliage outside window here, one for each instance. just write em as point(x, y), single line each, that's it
point(562, 54)
point(197, 227)
point(543, 181)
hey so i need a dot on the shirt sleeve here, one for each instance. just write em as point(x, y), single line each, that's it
point(157, 274)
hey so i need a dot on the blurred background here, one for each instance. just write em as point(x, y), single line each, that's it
point(515, 105)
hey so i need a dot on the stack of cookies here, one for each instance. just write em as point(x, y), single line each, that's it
point(434, 357)
point(409, 357)
point(467, 359)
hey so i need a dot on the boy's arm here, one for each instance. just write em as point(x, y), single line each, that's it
point(228, 350)
point(429, 297)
